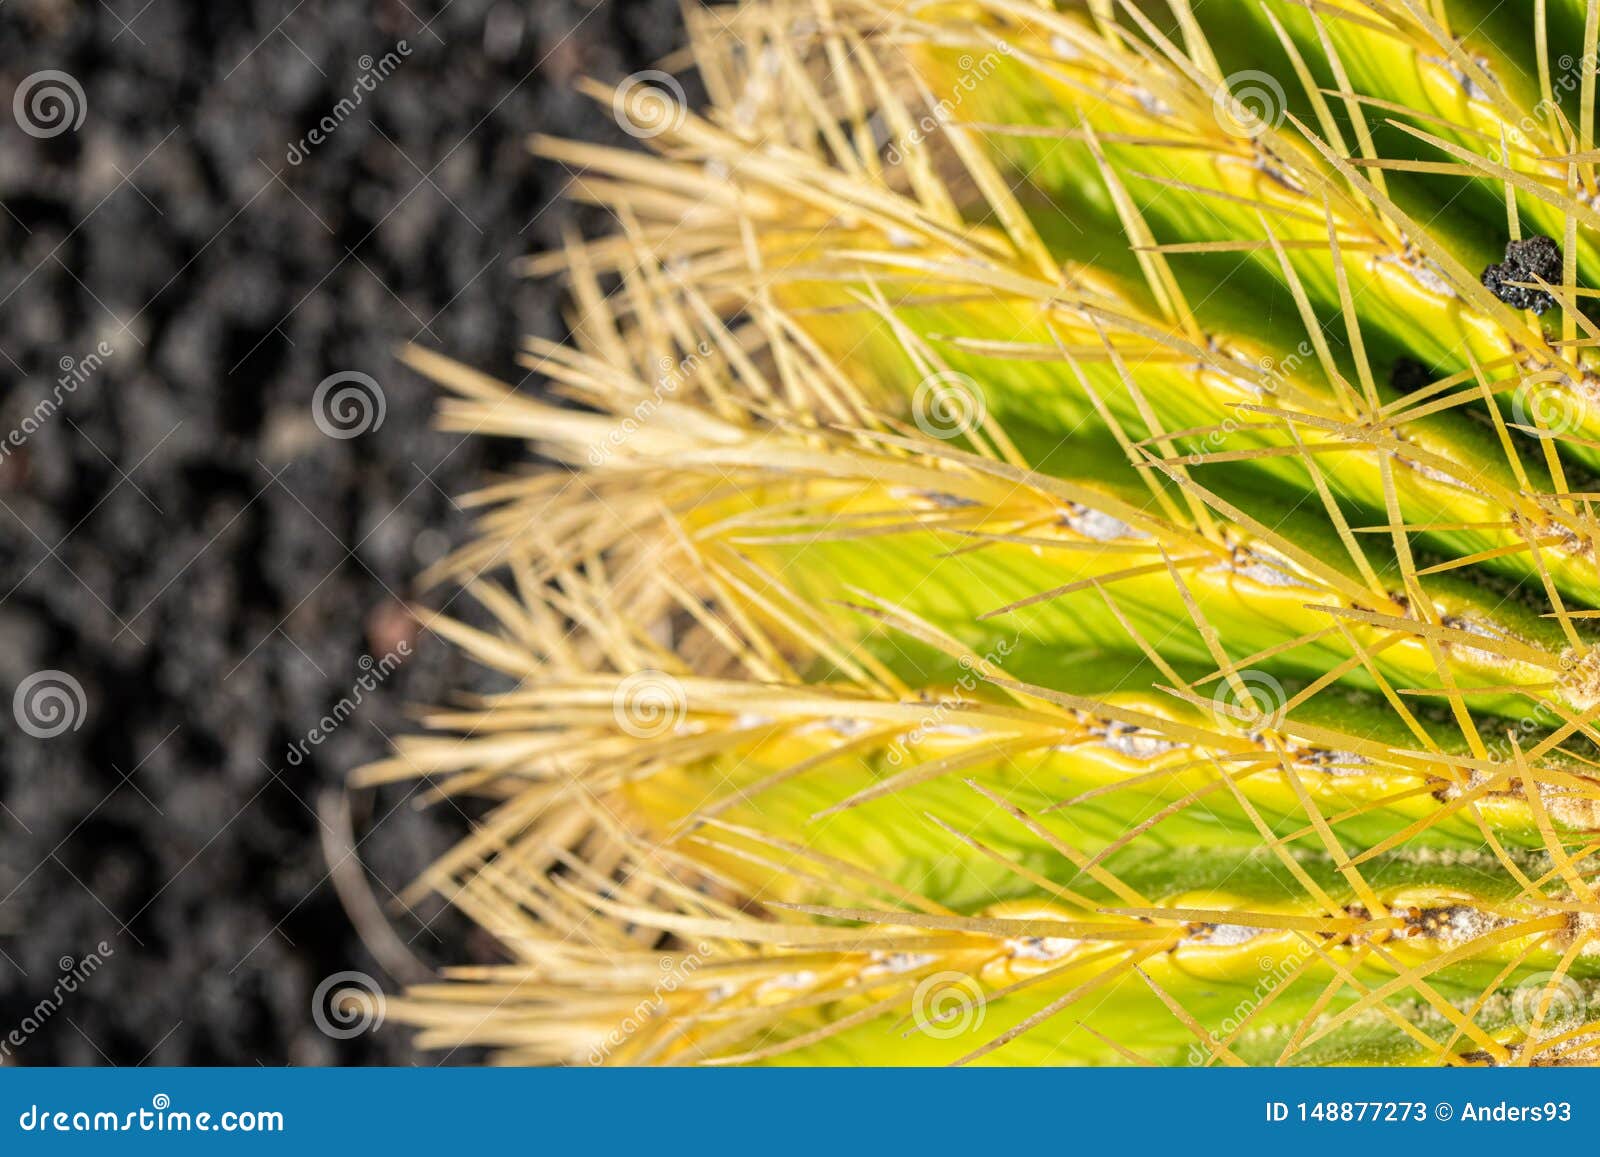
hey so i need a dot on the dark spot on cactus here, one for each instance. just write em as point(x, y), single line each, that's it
point(1409, 375)
point(1524, 259)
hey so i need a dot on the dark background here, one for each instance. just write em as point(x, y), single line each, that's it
point(184, 542)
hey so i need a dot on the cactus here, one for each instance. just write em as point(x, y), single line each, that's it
point(1067, 536)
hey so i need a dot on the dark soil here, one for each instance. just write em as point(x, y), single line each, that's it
point(184, 542)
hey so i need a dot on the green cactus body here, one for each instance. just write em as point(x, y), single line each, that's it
point(1068, 537)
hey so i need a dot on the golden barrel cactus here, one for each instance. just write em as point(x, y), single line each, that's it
point(1066, 534)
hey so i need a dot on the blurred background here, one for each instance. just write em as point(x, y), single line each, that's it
point(217, 485)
